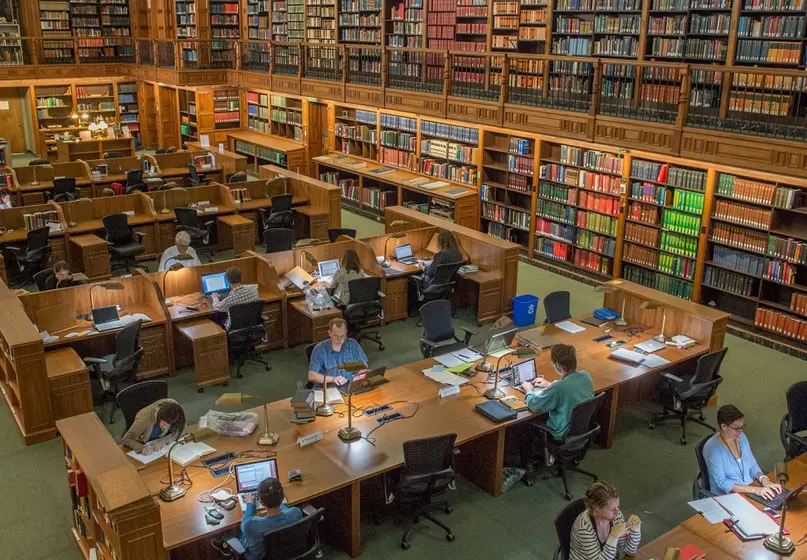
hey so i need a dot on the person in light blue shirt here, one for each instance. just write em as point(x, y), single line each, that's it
point(253, 526)
point(732, 467)
point(338, 349)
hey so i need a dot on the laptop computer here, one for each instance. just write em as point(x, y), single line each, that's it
point(367, 381)
point(650, 346)
point(248, 476)
point(215, 283)
point(106, 318)
point(523, 371)
point(327, 269)
point(403, 254)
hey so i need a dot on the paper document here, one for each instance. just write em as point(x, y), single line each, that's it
point(710, 510)
point(570, 327)
point(129, 319)
point(154, 455)
point(468, 355)
point(444, 376)
point(750, 521)
point(334, 396)
point(653, 361)
point(500, 353)
point(628, 356)
point(187, 453)
point(449, 360)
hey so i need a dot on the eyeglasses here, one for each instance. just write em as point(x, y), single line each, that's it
point(737, 428)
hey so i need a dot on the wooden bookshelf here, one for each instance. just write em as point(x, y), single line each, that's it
point(227, 108)
point(187, 24)
point(361, 21)
point(449, 151)
point(97, 100)
point(286, 117)
point(356, 132)
point(225, 23)
point(320, 21)
point(259, 20)
point(404, 24)
point(258, 112)
point(188, 123)
point(398, 141)
point(129, 109)
point(54, 22)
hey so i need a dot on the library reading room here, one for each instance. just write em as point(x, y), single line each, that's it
point(557, 249)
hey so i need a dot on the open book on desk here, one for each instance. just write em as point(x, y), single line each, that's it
point(334, 396)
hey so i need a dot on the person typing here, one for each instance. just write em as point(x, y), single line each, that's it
point(239, 293)
point(337, 349)
point(253, 526)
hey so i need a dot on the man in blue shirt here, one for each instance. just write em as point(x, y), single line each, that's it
point(338, 349)
point(253, 526)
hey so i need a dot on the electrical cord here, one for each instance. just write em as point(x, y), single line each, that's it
point(371, 440)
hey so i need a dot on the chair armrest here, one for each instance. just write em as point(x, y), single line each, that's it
point(798, 439)
point(307, 509)
point(468, 335)
point(672, 377)
point(235, 545)
point(381, 295)
point(429, 343)
point(14, 249)
point(209, 223)
point(89, 361)
point(139, 234)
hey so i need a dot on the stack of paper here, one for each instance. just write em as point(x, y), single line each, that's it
point(570, 327)
point(628, 356)
point(444, 376)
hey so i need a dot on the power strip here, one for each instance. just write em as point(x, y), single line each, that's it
point(387, 418)
point(376, 410)
point(220, 471)
point(223, 458)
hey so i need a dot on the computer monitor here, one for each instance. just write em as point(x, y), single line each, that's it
point(216, 282)
point(248, 476)
point(501, 339)
point(524, 371)
point(107, 314)
point(403, 251)
point(328, 268)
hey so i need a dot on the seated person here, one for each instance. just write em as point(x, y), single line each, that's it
point(732, 466)
point(253, 526)
point(183, 246)
point(448, 252)
point(239, 293)
point(350, 270)
point(61, 277)
point(161, 418)
point(338, 349)
point(601, 532)
point(558, 398)
point(6, 199)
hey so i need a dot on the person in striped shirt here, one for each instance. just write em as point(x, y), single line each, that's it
point(601, 532)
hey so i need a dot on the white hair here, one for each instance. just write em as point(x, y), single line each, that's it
point(183, 238)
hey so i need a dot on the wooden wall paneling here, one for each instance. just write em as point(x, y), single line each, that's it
point(167, 117)
point(549, 121)
point(665, 139)
point(205, 115)
point(148, 114)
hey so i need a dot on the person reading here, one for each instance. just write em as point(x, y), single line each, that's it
point(61, 277)
point(337, 349)
point(164, 417)
point(601, 532)
point(253, 526)
point(182, 247)
point(239, 293)
point(350, 270)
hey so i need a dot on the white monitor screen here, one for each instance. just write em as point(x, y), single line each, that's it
point(328, 268)
point(249, 475)
point(403, 251)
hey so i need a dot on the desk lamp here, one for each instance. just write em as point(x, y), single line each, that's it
point(108, 285)
point(173, 491)
point(609, 289)
point(397, 235)
point(106, 191)
point(326, 409)
point(349, 432)
point(655, 305)
point(230, 399)
point(276, 179)
point(173, 268)
point(165, 209)
point(70, 204)
point(495, 392)
point(36, 182)
point(308, 257)
point(781, 544)
point(398, 223)
point(503, 321)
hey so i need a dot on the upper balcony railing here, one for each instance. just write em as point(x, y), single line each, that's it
point(756, 101)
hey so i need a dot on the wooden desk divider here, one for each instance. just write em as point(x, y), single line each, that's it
point(174, 167)
point(13, 219)
point(116, 171)
point(31, 194)
point(140, 295)
point(230, 162)
point(92, 149)
point(705, 325)
point(114, 512)
point(497, 260)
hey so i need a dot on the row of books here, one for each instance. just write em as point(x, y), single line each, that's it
point(354, 132)
point(798, 303)
point(680, 222)
point(745, 189)
point(787, 249)
point(461, 174)
point(740, 238)
point(740, 214)
point(781, 323)
point(558, 193)
point(398, 158)
point(780, 271)
point(676, 265)
point(662, 282)
point(688, 201)
point(598, 202)
point(548, 228)
point(644, 213)
point(593, 261)
point(450, 132)
point(595, 242)
point(648, 193)
point(679, 244)
point(378, 199)
point(402, 140)
point(40, 219)
point(448, 150)
point(596, 222)
point(738, 260)
point(555, 211)
point(553, 249)
point(730, 282)
point(520, 164)
point(641, 234)
point(608, 184)
point(778, 52)
point(773, 27)
point(640, 255)
point(773, 5)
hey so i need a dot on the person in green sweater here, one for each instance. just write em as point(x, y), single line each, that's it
point(557, 399)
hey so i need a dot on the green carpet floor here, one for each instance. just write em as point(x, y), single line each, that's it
point(653, 471)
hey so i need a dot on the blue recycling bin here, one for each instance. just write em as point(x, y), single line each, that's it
point(524, 308)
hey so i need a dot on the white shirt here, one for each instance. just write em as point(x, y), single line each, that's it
point(173, 252)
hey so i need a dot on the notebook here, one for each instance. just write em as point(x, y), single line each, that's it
point(185, 454)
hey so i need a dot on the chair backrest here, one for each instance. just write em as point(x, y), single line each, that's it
point(708, 366)
point(134, 177)
point(564, 522)
point(160, 151)
point(38, 161)
point(796, 398)
point(138, 396)
point(436, 317)
point(557, 306)
point(296, 541)
point(428, 455)
point(582, 429)
point(193, 173)
point(110, 155)
point(334, 233)
point(237, 177)
point(36, 239)
point(41, 279)
point(171, 150)
point(246, 326)
point(117, 229)
point(281, 203)
point(187, 216)
point(702, 486)
point(63, 185)
point(444, 273)
point(365, 303)
point(310, 350)
point(278, 239)
point(126, 341)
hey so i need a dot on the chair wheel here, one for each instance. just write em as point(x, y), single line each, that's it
point(405, 545)
point(268, 368)
point(381, 347)
point(567, 497)
point(238, 376)
point(200, 390)
point(683, 441)
point(377, 520)
point(702, 418)
point(225, 383)
point(529, 481)
point(651, 426)
point(450, 537)
point(448, 509)
point(112, 420)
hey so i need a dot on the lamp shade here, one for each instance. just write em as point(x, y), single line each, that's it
point(398, 223)
point(310, 258)
point(230, 399)
point(352, 366)
point(111, 285)
point(651, 305)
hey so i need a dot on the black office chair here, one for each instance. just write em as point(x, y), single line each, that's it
point(245, 333)
point(564, 522)
point(134, 182)
point(33, 258)
point(439, 336)
point(334, 233)
point(440, 286)
point(685, 398)
point(113, 373)
point(571, 449)
point(428, 472)
point(794, 421)
point(111, 155)
point(278, 239)
point(297, 541)
point(124, 244)
point(194, 179)
point(203, 236)
point(280, 215)
point(41, 279)
point(310, 350)
point(237, 177)
point(701, 487)
point(64, 189)
point(38, 161)
point(160, 151)
point(135, 398)
point(171, 150)
point(365, 310)
point(557, 306)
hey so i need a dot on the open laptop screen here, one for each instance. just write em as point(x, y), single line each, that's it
point(215, 283)
point(248, 476)
point(524, 371)
point(328, 268)
point(106, 314)
point(403, 251)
